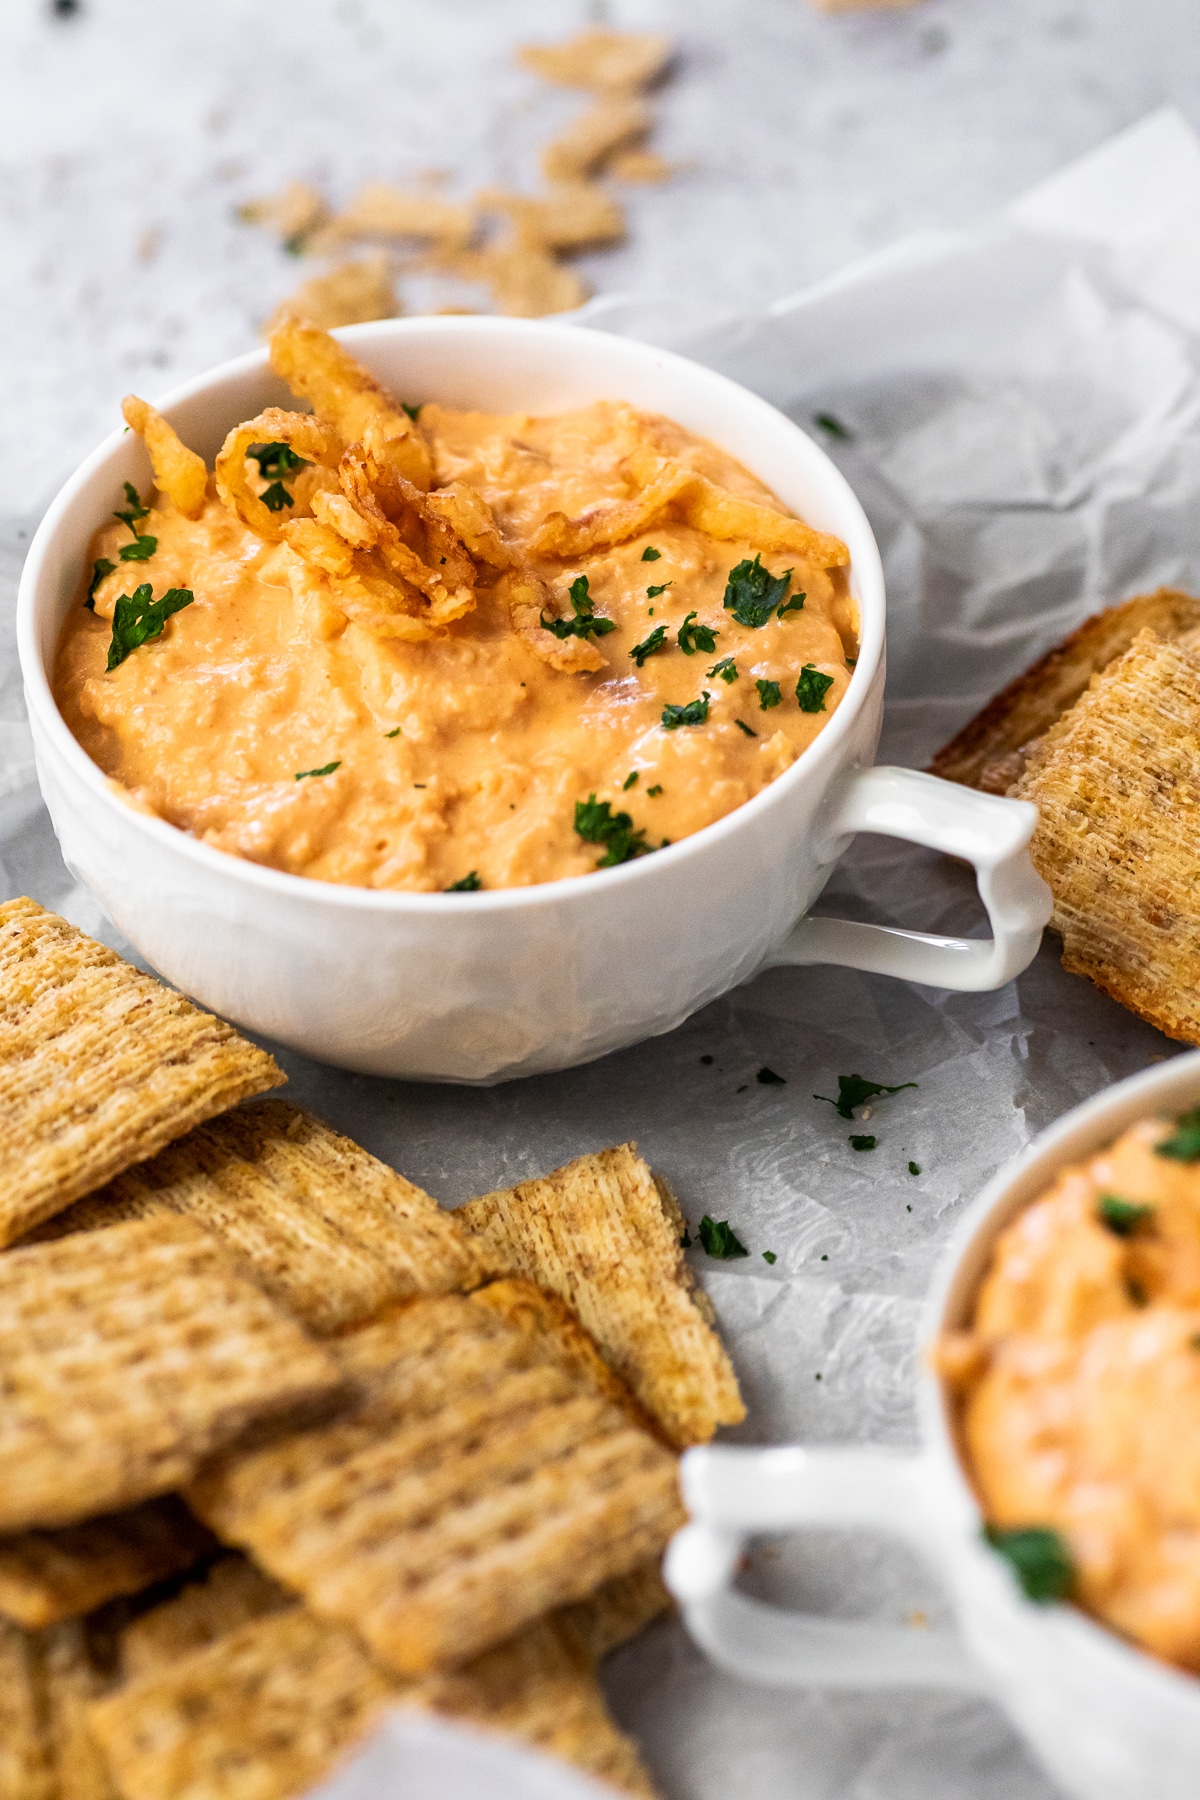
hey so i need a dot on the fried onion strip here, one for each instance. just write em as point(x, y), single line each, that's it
point(527, 599)
point(178, 472)
point(346, 398)
point(235, 485)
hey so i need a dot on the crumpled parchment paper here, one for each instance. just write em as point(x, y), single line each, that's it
point(1023, 414)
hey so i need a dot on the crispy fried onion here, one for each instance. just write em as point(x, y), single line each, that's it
point(178, 472)
point(664, 488)
point(347, 400)
point(242, 490)
point(527, 599)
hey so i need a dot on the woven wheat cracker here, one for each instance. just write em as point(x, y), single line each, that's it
point(126, 1356)
point(232, 1593)
point(323, 1227)
point(46, 1576)
point(100, 1066)
point(604, 1237)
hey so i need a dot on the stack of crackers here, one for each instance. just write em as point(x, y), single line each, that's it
point(516, 246)
point(1103, 735)
point(285, 1445)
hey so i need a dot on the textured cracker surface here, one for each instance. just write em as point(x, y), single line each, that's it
point(987, 752)
point(231, 1594)
point(477, 1484)
point(100, 1066)
point(601, 1235)
point(46, 1576)
point(26, 1772)
point(325, 1228)
point(1117, 785)
point(126, 1356)
point(71, 1682)
point(262, 1714)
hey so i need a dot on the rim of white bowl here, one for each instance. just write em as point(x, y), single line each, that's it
point(1077, 1134)
point(866, 567)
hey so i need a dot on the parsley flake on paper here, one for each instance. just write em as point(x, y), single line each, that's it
point(1122, 1216)
point(691, 638)
point(137, 618)
point(727, 669)
point(470, 884)
point(769, 1256)
point(768, 694)
point(650, 554)
point(854, 1091)
point(597, 823)
point(649, 645)
point(752, 593)
point(1039, 1559)
point(1183, 1145)
point(743, 727)
point(694, 713)
point(585, 624)
point(652, 593)
point(719, 1240)
point(768, 1078)
point(833, 426)
point(914, 1168)
point(812, 688)
point(326, 770)
point(100, 568)
point(863, 1143)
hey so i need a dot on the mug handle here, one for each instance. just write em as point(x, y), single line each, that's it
point(732, 1492)
point(990, 833)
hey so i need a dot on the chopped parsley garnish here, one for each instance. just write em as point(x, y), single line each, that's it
point(137, 618)
point(135, 509)
point(327, 770)
point(649, 645)
point(597, 823)
point(795, 604)
point(1038, 1558)
point(768, 1078)
point(727, 669)
point(652, 593)
point(745, 728)
point(470, 884)
point(718, 1239)
point(914, 1168)
point(769, 1256)
point(691, 638)
point(275, 461)
point(629, 781)
point(862, 1143)
point(650, 554)
point(812, 688)
point(694, 713)
point(768, 694)
point(854, 1091)
point(752, 593)
point(585, 624)
point(395, 733)
point(833, 426)
point(1122, 1216)
point(654, 792)
point(414, 413)
point(1184, 1143)
point(141, 550)
point(100, 568)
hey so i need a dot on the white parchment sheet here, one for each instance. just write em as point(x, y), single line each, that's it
point(1024, 419)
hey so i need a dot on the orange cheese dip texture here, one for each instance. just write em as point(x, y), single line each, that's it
point(1080, 1382)
point(462, 756)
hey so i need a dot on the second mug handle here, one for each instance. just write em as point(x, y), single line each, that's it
point(990, 833)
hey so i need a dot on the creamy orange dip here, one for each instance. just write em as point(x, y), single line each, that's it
point(462, 756)
point(1079, 1382)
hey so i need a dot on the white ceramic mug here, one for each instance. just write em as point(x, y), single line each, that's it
point(1108, 1721)
point(480, 987)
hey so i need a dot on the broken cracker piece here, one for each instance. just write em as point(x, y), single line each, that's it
point(381, 210)
point(573, 215)
point(126, 1357)
point(476, 1484)
point(602, 1236)
point(232, 1593)
point(70, 1681)
point(642, 166)
point(350, 294)
point(46, 1576)
point(26, 1772)
point(100, 1066)
point(1115, 784)
point(262, 1714)
point(616, 61)
point(325, 1228)
point(989, 752)
point(295, 212)
point(582, 150)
